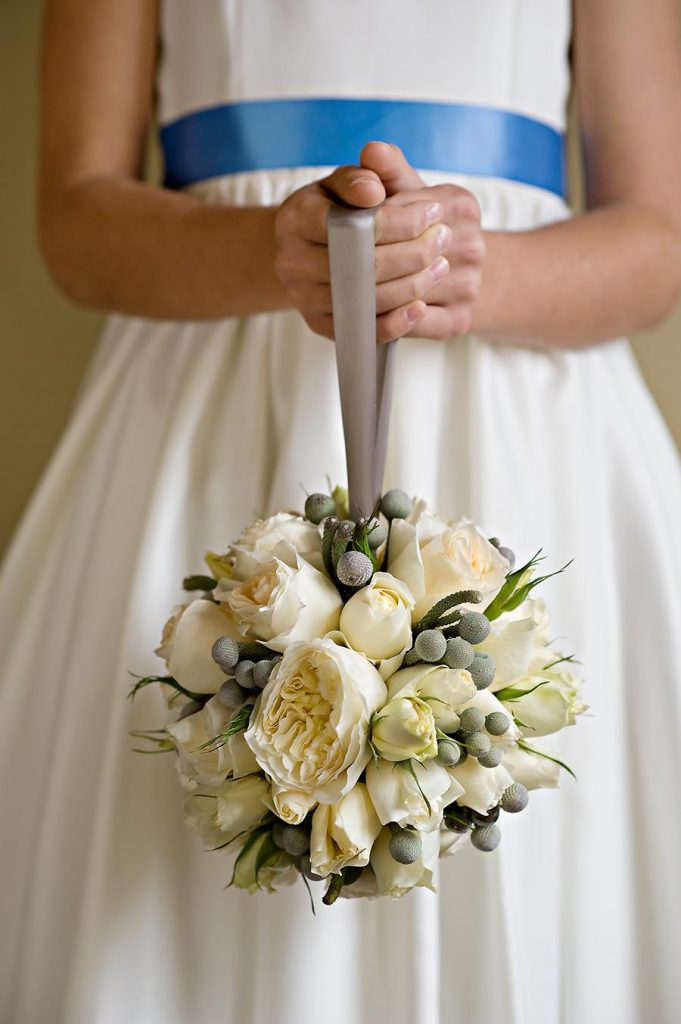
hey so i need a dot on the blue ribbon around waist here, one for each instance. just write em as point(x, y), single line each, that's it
point(257, 135)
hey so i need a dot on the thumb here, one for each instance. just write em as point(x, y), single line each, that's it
point(391, 166)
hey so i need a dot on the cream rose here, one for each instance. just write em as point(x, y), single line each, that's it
point(260, 868)
point(531, 769)
point(222, 813)
point(208, 766)
point(483, 787)
point(265, 537)
point(310, 727)
point(435, 559)
point(404, 728)
point(445, 690)
point(280, 604)
point(187, 641)
point(550, 706)
point(343, 833)
point(398, 797)
point(396, 879)
point(377, 619)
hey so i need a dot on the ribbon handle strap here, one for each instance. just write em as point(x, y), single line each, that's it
point(364, 376)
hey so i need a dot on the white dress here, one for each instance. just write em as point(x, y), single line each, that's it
point(110, 912)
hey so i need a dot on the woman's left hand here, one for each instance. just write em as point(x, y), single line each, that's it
point(450, 302)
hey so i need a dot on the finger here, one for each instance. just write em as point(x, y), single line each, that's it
point(404, 290)
point(391, 166)
point(354, 185)
point(443, 323)
point(410, 256)
point(403, 223)
point(390, 326)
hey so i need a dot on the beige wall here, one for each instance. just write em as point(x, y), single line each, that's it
point(45, 342)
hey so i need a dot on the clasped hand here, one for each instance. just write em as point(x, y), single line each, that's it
point(429, 247)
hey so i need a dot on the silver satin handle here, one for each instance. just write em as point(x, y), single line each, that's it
point(365, 371)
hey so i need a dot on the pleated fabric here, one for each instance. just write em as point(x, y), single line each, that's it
point(181, 435)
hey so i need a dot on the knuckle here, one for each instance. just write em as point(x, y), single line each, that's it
point(469, 286)
point(459, 321)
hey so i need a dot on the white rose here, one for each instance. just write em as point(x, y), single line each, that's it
point(274, 872)
point(290, 806)
point(310, 727)
point(264, 537)
point(445, 690)
point(377, 619)
point(398, 797)
point(220, 814)
point(404, 728)
point(452, 842)
point(531, 769)
point(483, 787)
point(551, 706)
point(210, 765)
point(343, 833)
point(241, 758)
point(396, 879)
point(517, 641)
point(487, 703)
point(364, 887)
point(189, 659)
point(280, 604)
point(168, 635)
point(435, 559)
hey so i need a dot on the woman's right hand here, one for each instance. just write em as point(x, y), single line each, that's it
point(410, 239)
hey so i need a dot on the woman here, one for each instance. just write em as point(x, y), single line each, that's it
point(212, 397)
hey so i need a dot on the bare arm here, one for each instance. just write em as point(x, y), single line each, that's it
point(617, 268)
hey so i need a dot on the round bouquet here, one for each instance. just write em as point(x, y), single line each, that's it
point(356, 699)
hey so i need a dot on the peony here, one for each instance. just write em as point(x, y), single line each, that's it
point(310, 727)
point(483, 787)
point(404, 728)
point(210, 765)
point(550, 706)
point(435, 559)
point(445, 690)
point(187, 641)
point(394, 879)
point(343, 833)
point(377, 619)
point(531, 769)
point(280, 604)
point(398, 796)
point(281, 533)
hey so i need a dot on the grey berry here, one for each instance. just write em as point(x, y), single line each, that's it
point(231, 694)
point(354, 569)
point(278, 834)
point(305, 868)
point(486, 838)
point(261, 672)
point(497, 723)
point(494, 541)
point(410, 658)
point(508, 555)
point(448, 753)
point(295, 840)
point(376, 535)
point(478, 743)
point(482, 669)
point(318, 507)
point(515, 798)
point(459, 653)
point(243, 673)
point(474, 627)
point(396, 504)
point(430, 645)
point(225, 653)
point(190, 709)
point(492, 759)
point(405, 846)
point(471, 720)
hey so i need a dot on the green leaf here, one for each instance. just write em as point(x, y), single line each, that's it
point(309, 893)
point(523, 592)
point(409, 768)
point(511, 693)
point(333, 891)
point(542, 753)
point(159, 737)
point(267, 852)
point(523, 725)
point(568, 659)
point(199, 582)
point(238, 724)
point(143, 681)
point(497, 606)
point(245, 849)
point(432, 616)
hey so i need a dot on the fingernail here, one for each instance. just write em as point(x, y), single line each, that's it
point(414, 314)
point(377, 142)
point(364, 181)
point(443, 237)
point(434, 213)
point(440, 268)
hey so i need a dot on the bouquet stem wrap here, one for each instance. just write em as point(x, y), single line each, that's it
point(365, 370)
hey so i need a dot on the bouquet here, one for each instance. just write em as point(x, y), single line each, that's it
point(356, 698)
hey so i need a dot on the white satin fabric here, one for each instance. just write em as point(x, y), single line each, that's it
point(109, 911)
